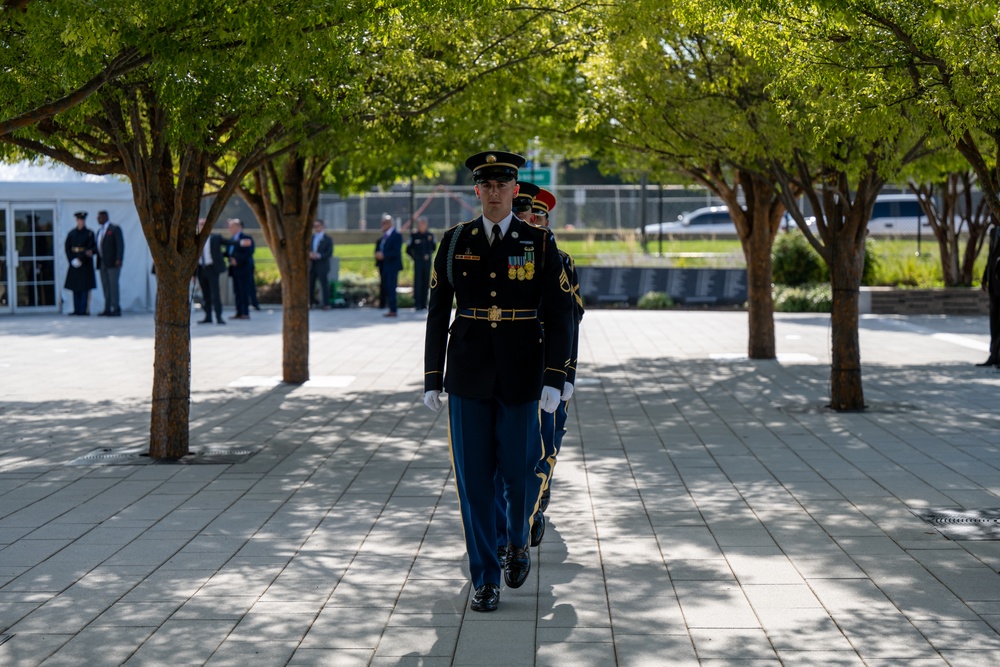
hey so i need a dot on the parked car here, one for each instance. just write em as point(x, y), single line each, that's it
point(894, 215)
point(708, 220)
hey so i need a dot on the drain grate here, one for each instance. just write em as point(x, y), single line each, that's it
point(960, 524)
point(137, 456)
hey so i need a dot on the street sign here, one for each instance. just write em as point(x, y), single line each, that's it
point(540, 177)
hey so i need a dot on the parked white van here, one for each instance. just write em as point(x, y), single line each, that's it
point(898, 215)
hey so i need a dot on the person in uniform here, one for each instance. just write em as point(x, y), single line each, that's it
point(239, 249)
point(554, 425)
point(523, 201)
point(508, 281)
point(991, 285)
point(211, 265)
point(80, 248)
point(110, 253)
point(521, 206)
point(320, 252)
point(421, 250)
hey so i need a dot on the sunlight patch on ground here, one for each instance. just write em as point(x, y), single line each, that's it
point(321, 381)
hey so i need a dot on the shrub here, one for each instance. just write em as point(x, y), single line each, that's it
point(655, 301)
point(357, 289)
point(872, 265)
point(816, 298)
point(794, 262)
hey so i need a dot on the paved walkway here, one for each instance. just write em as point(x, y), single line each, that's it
point(707, 510)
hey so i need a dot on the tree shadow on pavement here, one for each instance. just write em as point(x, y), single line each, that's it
point(708, 509)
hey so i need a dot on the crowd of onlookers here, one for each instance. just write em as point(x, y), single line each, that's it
point(233, 256)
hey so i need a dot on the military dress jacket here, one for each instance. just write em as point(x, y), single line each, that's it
point(570, 268)
point(991, 274)
point(421, 247)
point(78, 242)
point(494, 347)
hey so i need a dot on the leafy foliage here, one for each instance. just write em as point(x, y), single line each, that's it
point(813, 298)
point(795, 262)
point(655, 301)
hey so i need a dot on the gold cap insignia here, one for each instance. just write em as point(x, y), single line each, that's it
point(490, 159)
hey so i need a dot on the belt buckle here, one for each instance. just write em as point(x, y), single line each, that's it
point(493, 314)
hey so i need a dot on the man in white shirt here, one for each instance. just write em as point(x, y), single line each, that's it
point(211, 265)
point(320, 251)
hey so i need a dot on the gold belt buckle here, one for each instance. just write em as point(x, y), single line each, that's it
point(493, 314)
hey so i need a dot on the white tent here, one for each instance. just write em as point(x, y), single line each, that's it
point(37, 206)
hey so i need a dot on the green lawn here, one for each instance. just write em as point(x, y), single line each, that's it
point(898, 263)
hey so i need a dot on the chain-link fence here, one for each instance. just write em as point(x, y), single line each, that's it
point(594, 207)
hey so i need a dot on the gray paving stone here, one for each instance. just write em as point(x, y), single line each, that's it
point(105, 645)
point(693, 495)
point(182, 642)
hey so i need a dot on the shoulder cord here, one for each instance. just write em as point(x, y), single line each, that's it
point(451, 254)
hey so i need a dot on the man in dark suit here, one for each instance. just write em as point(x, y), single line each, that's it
point(508, 281)
point(389, 260)
point(320, 251)
point(991, 285)
point(110, 252)
point(240, 249)
point(211, 265)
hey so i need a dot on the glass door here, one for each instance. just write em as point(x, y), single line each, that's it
point(33, 259)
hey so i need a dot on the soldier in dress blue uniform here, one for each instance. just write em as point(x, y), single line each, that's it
point(522, 202)
point(554, 425)
point(507, 280)
point(521, 206)
point(421, 249)
point(81, 245)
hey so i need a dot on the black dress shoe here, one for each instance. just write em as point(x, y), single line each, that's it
point(502, 555)
point(487, 598)
point(543, 502)
point(537, 528)
point(205, 321)
point(517, 567)
point(221, 321)
point(989, 362)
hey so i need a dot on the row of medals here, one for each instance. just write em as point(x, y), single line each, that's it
point(522, 268)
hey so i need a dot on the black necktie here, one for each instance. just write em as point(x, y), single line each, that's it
point(496, 235)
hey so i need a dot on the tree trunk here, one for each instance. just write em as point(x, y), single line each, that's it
point(757, 224)
point(766, 216)
point(285, 198)
point(846, 266)
point(948, 249)
point(168, 428)
point(295, 316)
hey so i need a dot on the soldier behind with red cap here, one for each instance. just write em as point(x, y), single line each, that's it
point(523, 200)
point(508, 281)
point(554, 425)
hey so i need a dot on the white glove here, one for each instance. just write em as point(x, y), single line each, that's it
point(432, 399)
point(550, 399)
point(567, 391)
point(76, 263)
